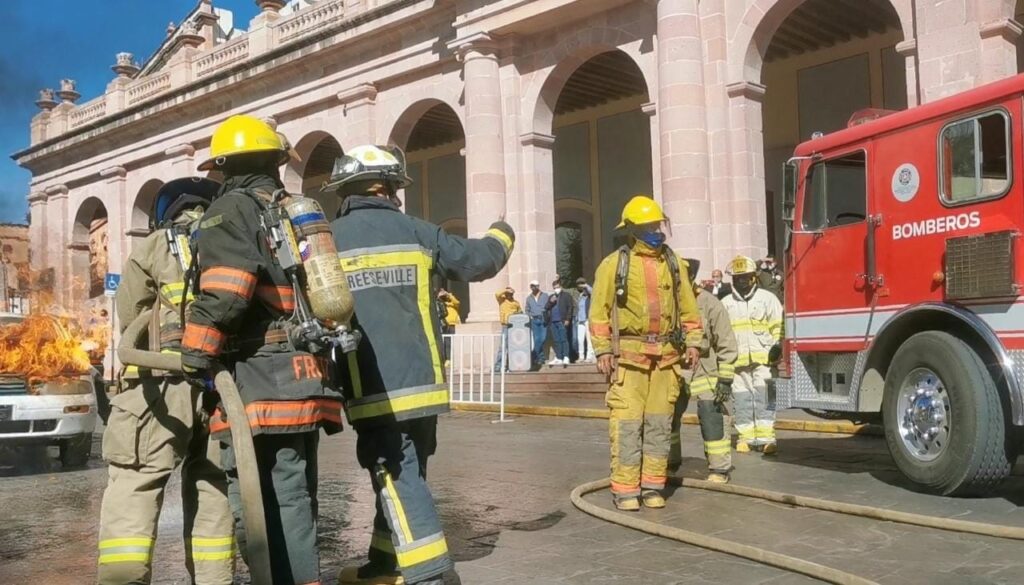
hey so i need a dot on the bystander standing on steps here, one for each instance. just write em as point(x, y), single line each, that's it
point(536, 310)
point(584, 342)
point(507, 306)
point(560, 314)
point(448, 311)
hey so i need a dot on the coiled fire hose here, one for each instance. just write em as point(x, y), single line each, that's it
point(257, 547)
point(777, 560)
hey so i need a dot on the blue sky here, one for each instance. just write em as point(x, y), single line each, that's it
point(42, 42)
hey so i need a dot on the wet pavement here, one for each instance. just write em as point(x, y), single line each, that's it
point(503, 492)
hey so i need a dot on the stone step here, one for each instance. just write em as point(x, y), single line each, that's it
point(556, 388)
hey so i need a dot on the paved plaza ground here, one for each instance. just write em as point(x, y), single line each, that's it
point(503, 495)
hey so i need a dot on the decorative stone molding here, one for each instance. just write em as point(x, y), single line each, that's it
point(271, 121)
point(537, 139)
point(114, 173)
point(67, 91)
point(1007, 28)
point(907, 48)
point(125, 65)
point(650, 108)
point(481, 43)
point(56, 191)
point(362, 94)
point(79, 246)
point(271, 5)
point(746, 89)
point(46, 101)
point(185, 150)
point(37, 198)
point(137, 232)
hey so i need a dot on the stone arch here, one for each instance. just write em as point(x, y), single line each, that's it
point(406, 122)
point(89, 250)
point(760, 22)
point(294, 172)
point(142, 208)
point(542, 92)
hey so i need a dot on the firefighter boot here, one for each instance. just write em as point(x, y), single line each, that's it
point(770, 449)
point(716, 477)
point(742, 447)
point(653, 499)
point(369, 574)
point(626, 503)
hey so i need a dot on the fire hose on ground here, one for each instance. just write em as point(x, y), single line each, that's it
point(257, 547)
point(773, 559)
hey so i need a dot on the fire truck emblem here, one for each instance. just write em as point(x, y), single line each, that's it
point(905, 182)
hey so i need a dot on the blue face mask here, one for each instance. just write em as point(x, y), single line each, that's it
point(652, 239)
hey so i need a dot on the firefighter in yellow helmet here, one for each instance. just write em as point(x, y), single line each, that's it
point(756, 317)
point(646, 327)
point(158, 420)
point(394, 382)
point(241, 318)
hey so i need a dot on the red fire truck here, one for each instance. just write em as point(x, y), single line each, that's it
point(903, 283)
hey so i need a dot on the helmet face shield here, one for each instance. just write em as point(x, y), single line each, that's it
point(385, 164)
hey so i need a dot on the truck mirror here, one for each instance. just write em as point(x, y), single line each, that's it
point(789, 170)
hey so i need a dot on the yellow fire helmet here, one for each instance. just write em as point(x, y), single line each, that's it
point(641, 209)
point(240, 135)
point(741, 265)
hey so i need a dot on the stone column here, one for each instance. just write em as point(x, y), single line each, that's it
point(485, 160)
point(535, 243)
point(37, 232)
point(999, 48)
point(359, 114)
point(58, 224)
point(746, 212)
point(683, 128)
point(908, 50)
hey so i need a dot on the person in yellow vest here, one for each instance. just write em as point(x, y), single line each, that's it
point(507, 306)
point(448, 311)
point(756, 317)
point(646, 326)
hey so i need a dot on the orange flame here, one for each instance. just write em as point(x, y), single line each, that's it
point(42, 347)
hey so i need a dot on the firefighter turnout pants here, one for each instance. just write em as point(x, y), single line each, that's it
point(641, 403)
point(753, 417)
point(717, 444)
point(407, 533)
point(154, 425)
point(288, 478)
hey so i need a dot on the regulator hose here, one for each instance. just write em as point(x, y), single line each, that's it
point(777, 560)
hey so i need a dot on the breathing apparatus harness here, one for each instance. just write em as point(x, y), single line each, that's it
point(677, 336)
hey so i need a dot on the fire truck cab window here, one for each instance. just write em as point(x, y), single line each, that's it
point(836, 192)
point(974, 157)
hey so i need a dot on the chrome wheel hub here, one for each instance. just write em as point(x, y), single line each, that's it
point(924, 415)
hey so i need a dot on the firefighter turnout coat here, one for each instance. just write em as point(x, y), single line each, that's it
point(648, 315)
point(718, 356)
point(757, 324)
point(389, 257)
point(244, 296)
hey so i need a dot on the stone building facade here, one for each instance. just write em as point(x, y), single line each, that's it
point(549, 113)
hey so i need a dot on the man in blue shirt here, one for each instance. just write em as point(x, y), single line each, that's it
point(536, 309)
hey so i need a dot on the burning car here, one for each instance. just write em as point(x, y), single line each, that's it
point(46, 387)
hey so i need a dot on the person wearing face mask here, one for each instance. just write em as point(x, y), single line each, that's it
point(646, 327)
point(768, 277)
point(584, 343)
point(756, 317)
point(560, 314)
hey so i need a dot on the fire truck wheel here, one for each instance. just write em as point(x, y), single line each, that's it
point(74, 452)
point(944, 422)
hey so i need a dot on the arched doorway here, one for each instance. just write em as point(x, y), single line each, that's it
point(822, 64)
point(601, 157)
point(142, 209)
point(433, 142)
point(318, 152)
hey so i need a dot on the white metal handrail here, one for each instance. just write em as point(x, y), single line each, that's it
point(472, 377)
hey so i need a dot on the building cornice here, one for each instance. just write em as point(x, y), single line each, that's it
point(363, 93)
point(1007, 28)
point(114, 173)
point(746, 89)
point(57, 191)
point(182, 150)
point(537, 139)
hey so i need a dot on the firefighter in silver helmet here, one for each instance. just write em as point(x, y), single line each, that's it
point(756, 317)
point(158, 420)
point(389, 258)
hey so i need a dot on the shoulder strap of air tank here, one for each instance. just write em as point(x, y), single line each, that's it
point(622, 274)
point(673, 266)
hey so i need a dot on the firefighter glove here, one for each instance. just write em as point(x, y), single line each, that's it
point(723, 391)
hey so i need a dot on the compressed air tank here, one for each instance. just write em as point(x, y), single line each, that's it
point(325, 282)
